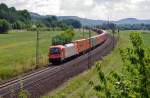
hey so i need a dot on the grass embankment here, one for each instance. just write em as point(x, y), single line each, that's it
point(78, 87)
point(17, 51)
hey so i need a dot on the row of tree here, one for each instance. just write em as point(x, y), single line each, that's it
point(124, 26)
point(134, 27)
point(53, 22)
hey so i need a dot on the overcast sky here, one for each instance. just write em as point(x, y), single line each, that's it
point(93, 9)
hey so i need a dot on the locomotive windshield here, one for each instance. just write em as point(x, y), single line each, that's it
point(55, 51)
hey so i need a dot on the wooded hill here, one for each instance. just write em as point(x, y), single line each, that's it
point(23, 19)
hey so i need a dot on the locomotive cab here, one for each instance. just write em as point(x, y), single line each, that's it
point(56, 54)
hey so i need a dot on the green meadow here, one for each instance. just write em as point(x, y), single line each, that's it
point(17, 50)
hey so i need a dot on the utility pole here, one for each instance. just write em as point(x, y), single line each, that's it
point(37, 48)
point(51, 36)
point(108, 22)
point(89, 54)
point(119, 33)
point(112, 27)
point(83, 32)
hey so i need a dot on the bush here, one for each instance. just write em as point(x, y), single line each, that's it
point(18, 25)
point(4, 26)
point(134, 79)
point(63, 38)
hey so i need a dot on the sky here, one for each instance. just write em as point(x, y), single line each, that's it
point(92, 9)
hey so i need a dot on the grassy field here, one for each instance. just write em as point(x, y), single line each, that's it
point(78, 87)
point(17, 51)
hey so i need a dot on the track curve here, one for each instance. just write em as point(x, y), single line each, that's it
point(41, 82)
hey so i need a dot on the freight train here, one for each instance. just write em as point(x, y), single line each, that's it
point(60, 53)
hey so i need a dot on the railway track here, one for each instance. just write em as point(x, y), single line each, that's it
point(42, 81)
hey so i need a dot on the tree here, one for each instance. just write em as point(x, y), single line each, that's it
point(105, 26)
point(113, 27)
point(18, 25)
point(134, 79)
point(63, 38)
point(4, 26)
point(51, 21)
point(13, 16)
point(62, 25)
point(24, 15)
point(72, 22)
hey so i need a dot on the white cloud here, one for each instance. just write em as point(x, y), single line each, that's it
point(95, 9)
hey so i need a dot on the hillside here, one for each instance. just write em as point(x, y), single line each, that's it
point(132, 21)
point(84, 21)
point(24, 18)
point(92, 22)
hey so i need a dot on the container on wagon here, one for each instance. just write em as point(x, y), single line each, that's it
point(103, 36)
point(70, 50)
point(93, 41)
point(81, 45)
point(98, 39)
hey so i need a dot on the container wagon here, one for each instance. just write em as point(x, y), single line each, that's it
point(59, 53)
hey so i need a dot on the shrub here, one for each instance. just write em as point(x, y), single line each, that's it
point(63, 38)
point(18, 25)
point(134, 79)
point(4, 26)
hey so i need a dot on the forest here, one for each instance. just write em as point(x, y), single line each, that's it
point(10, 18)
